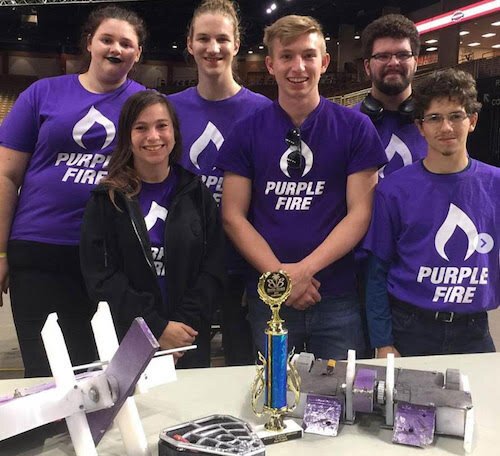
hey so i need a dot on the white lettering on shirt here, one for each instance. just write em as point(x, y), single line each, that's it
point(80, 167)
point(294, 196)
point(214, 184)
point(158, 253)
point(453, 284)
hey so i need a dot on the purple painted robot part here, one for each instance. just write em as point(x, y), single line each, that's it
point(414, 424)
point(133, 355)
point(363, 390)
point(322, 415)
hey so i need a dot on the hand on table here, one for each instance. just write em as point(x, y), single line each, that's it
point(382, 352)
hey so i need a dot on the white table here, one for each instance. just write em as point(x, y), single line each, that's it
point(202, 392)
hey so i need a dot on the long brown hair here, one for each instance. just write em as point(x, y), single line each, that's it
point(122, 175)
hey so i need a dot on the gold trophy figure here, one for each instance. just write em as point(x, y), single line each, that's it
point(272, 378)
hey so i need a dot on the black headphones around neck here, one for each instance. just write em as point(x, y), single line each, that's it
point(374, 109)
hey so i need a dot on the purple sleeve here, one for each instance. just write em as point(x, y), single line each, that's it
point(367, 150)
point(235, 153)
point(382, 234)
point(19, 130)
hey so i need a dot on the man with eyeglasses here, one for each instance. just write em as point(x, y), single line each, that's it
point(298, 187)
point(391, 45)
point(434, 237)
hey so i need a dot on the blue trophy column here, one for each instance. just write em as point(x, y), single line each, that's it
point(276, 375)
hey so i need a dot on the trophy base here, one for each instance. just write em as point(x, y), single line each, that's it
point(292, 431)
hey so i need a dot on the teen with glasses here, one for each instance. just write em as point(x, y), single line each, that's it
point(207, 115)
point(298, 186)
point(390, 48)
point(434, 236)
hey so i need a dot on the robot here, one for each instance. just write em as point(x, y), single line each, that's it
point(416, 404)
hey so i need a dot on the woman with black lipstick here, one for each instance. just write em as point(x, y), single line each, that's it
point(56, 142)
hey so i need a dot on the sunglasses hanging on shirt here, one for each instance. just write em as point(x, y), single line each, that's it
point(295, 159)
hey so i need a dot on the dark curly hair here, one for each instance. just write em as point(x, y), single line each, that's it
point(394, 26)
point(449, 83)
point(122, 175)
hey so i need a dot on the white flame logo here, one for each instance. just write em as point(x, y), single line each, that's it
point(396, 146)
point(155, 212)
point(85, 124)
point(308, 158)
point(211, 133)
point(456, 218)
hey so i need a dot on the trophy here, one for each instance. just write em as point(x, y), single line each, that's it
point(273, 377)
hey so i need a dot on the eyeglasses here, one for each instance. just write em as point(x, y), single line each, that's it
point(454, 118)
point(295, 158)
point(385, 57)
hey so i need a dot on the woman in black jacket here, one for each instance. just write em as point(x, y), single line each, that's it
point(151, 241)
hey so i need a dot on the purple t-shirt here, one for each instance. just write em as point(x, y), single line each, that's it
point(401, 139)
point(440, 234)
point(295, 210)
point(70, 133)
point(155, 200)
point(205, 124)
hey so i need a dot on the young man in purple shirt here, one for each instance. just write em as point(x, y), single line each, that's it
point(390, 48)
point(298, 184)
point(391, 45)
point(434, 237)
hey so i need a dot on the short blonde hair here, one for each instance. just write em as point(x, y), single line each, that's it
point(288, 28)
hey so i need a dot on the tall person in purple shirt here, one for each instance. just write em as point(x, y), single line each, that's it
point(208, 113)
point(298, 184)
point(434, 238)
point(55, 145)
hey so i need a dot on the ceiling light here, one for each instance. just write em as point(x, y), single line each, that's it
point(174, 46)
point(273, 7)
point(476, 43)
point(464, 32)
point(488, 35)
point(357, 37)
point(431, 41)
point(496, 46)
point(269, 10)
point(261, 47)
point(430, 49)
point(250, 51)
point(327, 38)
point(496, 24)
